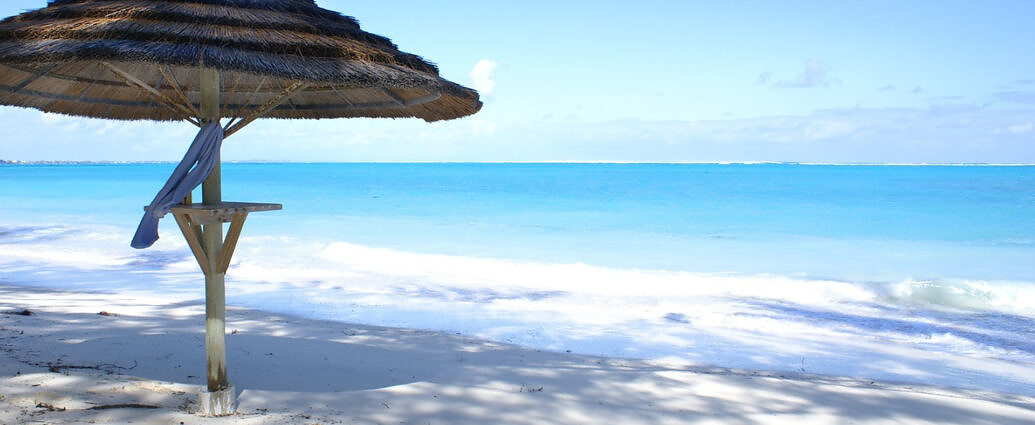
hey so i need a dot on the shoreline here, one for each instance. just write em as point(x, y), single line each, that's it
point(142, 361)
point(753, 322)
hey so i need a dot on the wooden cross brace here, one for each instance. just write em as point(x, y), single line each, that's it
point(191, 217)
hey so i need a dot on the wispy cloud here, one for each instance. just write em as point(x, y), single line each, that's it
point(815, 74)
point(943, 134)
point(481, 76)
point(946, 132)
point(34, 135)
point(887, 88)
point(1021, 97)
point(764, 78)
point(1021, 128)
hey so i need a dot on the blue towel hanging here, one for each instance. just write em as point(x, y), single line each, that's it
point(192, 171)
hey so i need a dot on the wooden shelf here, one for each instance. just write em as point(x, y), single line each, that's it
point(192, 218)
point(221, 213)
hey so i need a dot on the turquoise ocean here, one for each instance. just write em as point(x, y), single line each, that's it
point(908, 273)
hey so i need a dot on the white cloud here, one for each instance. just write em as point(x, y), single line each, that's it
point(814, 75)
point(481, 76)
point(940, 133)
point(1020, 128)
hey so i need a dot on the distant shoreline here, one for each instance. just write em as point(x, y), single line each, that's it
point(840, 164)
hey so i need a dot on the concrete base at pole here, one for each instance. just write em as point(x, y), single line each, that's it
point(218, 403)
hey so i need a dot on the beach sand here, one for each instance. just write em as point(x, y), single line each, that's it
point(142, 361)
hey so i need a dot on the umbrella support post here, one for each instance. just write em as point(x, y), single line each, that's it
point(202, 226)
point(220, 399)
point(215, 286)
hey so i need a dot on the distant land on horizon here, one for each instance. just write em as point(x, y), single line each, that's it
point(905, 164)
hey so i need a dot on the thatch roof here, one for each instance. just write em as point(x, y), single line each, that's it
point(79, 57)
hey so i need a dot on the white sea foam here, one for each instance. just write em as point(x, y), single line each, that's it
point(283, 259)
point(965, 333)
point(342, 260)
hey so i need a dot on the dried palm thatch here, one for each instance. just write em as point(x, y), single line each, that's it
point(142, 59)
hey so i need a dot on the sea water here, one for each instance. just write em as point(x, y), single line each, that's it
point(910, 273)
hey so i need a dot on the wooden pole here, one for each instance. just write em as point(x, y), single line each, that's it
point(212, 235)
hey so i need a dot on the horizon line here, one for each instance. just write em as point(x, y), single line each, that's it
point(261, 161)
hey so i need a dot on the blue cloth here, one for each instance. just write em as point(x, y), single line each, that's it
point(192, 171)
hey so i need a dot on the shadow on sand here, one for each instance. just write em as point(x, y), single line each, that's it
point(361, 374)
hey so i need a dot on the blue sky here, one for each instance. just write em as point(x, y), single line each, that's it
point(810, 81)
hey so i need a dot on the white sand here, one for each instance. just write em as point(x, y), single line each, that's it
point(68, 364)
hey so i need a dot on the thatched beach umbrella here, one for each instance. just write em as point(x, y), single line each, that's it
point(218, 64)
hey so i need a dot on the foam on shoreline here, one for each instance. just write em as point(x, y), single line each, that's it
point(969, 334)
